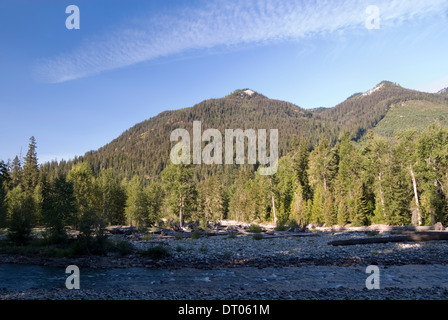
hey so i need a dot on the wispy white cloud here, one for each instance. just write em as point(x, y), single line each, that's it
point(225, 23)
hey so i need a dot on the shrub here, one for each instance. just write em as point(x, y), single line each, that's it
point(195, 234)
point(281, 227)
point(147, 237)
point(123, 247)
point(257, 236)
point(157, 252)
point(180, 249)
point(254, 228)
point(232, 234)
point(178, 236)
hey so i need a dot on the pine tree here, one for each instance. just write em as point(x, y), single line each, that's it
point(301, 167)
point(378, 160)
point(58, 207)
point(323, 165)
point(432, 153)
point(111, 197)
point(211, 199)
point(360, 211)
point(16, 173)
point(134, 191)
point(342, 213)
point(20, 207)
point(181, 190)
point(299, 208)
point(4, 179)
point(317, 215)
point(405, 153)
point(83, 187)
point(155, 195)
point(287, 182)
point(328, 212)
point(30, 174)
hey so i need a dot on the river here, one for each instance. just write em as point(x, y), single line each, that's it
point(25, 277)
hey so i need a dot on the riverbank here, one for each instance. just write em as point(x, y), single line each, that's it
point(290, 256)
point(219, 252)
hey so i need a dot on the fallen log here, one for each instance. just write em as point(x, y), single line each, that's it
point(291, 235)
point(416, 237)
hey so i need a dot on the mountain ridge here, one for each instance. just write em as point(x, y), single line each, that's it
point(144, 148)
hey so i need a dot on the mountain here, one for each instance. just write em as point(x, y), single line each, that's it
point(364, 111)
point(144, 149)
point(412, 114)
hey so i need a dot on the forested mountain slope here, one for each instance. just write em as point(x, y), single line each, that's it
point(144, 149)
point(363, 111)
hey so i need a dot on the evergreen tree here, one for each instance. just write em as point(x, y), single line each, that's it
point(134, 194)
point(111, 197)
point(299, 208)
point(407, 155)
point(378, 160)
point(323, 165)
point(360, 211)
point(432, 150)
point(328, 212)
point(287, 182)
point(142, 204)
point(16, 173)
point(342, 213)
point(181, 190)
point(211, 199)
point(154, 194)
point(301, 167)
point(4, 179)
point(30, 174)
point(58, 207)
point(83, 187)
point(20, 207)
point(317, 215)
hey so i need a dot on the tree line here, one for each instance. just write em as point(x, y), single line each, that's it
point(397, 181)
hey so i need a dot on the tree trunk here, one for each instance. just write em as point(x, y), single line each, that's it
point(381, 194)
point(416, 237)
point(273, 208)
point(181, 213)
point(416, 214)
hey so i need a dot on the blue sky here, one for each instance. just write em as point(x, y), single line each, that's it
point(76, 90)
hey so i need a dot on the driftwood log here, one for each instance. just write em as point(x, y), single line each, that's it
point(415, 237)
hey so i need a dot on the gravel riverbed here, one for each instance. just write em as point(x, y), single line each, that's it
point(287, 256)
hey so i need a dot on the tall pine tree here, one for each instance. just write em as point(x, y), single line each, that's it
point(30, 176)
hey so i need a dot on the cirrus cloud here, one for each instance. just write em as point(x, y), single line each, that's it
point(219, 23)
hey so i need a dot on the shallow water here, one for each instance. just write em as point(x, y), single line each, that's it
point(23, 277)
